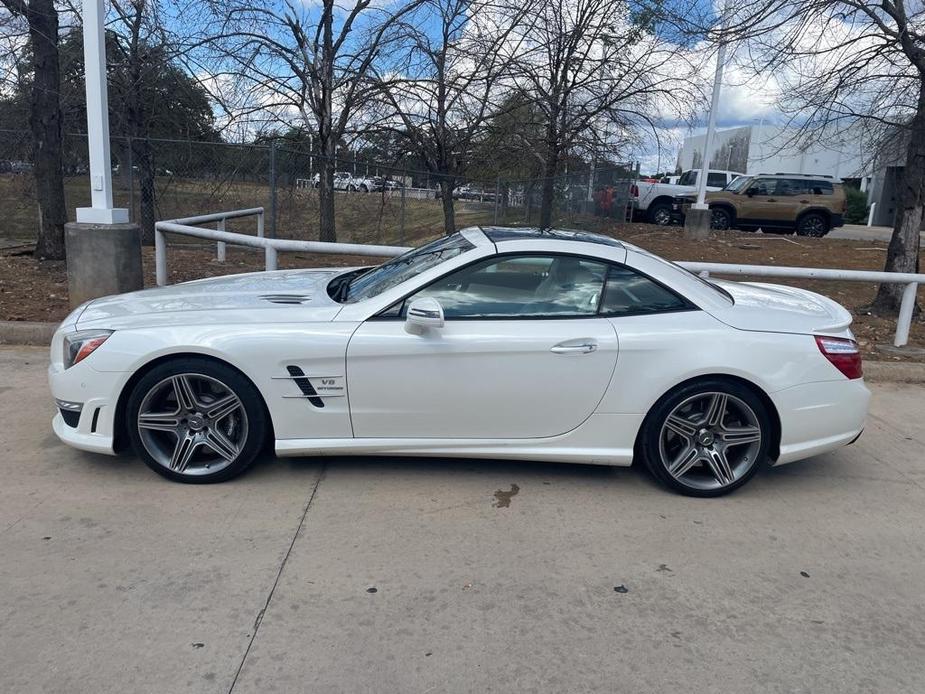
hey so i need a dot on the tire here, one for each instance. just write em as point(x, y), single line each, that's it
point(196, 420)
point(687, 449)
point(660, 213)
point(720, 219)
point(364, 188)
point(351, 188)
point(813, 224)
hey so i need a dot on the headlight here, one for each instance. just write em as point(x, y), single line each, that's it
point(80, 345)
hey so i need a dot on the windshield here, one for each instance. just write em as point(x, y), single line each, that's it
point(737, 184)
point(404, 267)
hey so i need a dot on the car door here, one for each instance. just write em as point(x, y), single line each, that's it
point(523, 353)
point(758, 206)
point(789, 196)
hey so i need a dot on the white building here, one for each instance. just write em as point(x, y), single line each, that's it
point(758, 149)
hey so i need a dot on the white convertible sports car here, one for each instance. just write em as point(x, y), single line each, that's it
point(490, 343)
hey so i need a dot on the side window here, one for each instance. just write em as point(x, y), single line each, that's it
point(786, 187)
point(529, 286)
point(716, 179)
point(627, 292)
point(761, 186)
point(821, 188)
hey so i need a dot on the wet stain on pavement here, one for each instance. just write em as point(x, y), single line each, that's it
point(503, 498)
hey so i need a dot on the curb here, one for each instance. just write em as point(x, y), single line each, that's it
point(40, 334)
point(894, 372)
point(16, 332)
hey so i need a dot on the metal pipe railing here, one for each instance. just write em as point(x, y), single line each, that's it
point(906, 308)
point(272, 248)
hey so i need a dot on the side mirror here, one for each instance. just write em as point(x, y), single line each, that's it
point(750, 192)
point(423, 314)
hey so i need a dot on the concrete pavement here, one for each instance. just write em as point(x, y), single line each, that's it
point(861, 232)
point(377, 575)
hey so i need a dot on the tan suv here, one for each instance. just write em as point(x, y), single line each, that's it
point(809, 205)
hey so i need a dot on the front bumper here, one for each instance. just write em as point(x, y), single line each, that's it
point(679, 207)
point(820, 417)
point(98, 393)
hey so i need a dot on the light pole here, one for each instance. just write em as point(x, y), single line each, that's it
point(711, 127)
point(103, 249)
point(101, 210)
point(698, 218)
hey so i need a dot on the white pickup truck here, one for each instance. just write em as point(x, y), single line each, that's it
point(653, 200)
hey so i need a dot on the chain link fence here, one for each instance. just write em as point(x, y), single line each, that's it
point(375, 202)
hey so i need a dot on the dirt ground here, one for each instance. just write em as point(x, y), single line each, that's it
point(30, 290)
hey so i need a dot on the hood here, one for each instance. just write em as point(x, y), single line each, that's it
point(251, 297)
point(779, 309)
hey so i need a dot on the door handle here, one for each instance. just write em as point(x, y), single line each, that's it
point(581, 346)
point(772, 199)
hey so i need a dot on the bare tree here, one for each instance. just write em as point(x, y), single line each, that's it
point(842, 64)
point(309, 62)
point(45, 123)
point(450, 77)
point(596, 71)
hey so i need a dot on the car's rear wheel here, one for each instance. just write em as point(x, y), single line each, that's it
point(660, 213)
point(720, 218)
point(706, 438)
point(196, 420)
point(813, 224)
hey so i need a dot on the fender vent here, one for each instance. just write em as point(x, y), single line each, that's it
point(286, 298)
point(298, 376)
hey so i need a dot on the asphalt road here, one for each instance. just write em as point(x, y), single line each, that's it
point(376, 575)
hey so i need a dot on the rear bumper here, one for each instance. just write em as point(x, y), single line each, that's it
point(837, 221)
point(819, 417)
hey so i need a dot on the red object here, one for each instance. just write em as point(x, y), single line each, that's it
point(843, 353)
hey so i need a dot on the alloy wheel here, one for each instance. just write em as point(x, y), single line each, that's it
point(662, 216)
point(710, 441)
point(813, 226)
point(719, 220)
point(192, 424)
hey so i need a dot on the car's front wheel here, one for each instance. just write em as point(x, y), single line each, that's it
point(720, 218)
point(196, 420)
point(706, 438)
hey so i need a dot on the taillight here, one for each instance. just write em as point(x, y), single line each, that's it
point(843, 353)
point(634, 191)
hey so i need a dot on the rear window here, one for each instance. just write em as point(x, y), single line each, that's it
point(821, 187)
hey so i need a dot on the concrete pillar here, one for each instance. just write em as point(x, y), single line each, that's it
point(102, 259)
point(697, 224)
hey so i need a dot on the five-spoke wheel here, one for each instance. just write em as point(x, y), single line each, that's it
point(707, 438)
point(196, 420)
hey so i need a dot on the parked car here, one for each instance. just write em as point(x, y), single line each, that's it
point(342, 180)
point(490, 343)
point(654, 200)
point(21, 167)
point(808, 204)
